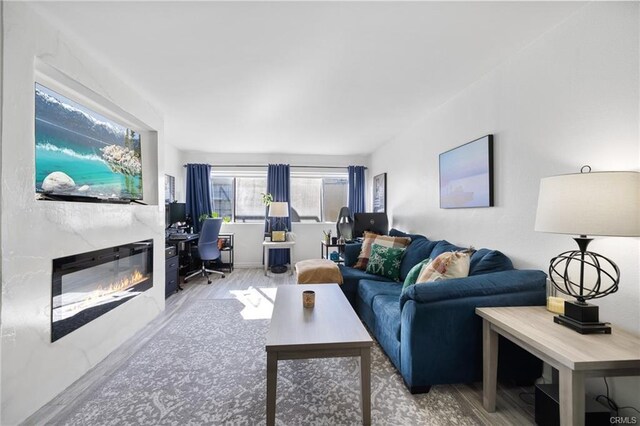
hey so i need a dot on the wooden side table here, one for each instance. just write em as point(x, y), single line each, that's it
point(575, 356)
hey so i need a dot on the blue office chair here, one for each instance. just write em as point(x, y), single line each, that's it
point(208, 248)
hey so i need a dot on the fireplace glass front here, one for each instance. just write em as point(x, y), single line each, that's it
point(88, 285)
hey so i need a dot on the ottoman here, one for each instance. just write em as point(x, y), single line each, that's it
point(318, 271)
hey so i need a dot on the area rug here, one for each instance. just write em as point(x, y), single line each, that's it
point(208, 366)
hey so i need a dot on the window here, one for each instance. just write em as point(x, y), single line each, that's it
point(314, 198)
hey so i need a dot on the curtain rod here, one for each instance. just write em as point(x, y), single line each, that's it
point(263, 165)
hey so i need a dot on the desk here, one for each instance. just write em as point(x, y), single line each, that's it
point(269, 245)
point(575, 356)
point(187, 263)
point(183, 252)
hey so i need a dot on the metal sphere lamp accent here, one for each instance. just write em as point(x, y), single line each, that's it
point(585, 203)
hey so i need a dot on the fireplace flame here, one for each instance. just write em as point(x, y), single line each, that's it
point(104, 293)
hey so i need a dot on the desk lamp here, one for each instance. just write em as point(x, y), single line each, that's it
point(585, 203)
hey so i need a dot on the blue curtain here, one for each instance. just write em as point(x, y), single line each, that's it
point(356, 189)
point(279, 185)
point(198, 192)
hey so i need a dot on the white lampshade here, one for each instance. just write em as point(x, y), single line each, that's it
point(598, 203)
point(279, 209)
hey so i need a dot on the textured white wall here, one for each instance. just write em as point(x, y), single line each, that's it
point(34, 232)
point(568, 99)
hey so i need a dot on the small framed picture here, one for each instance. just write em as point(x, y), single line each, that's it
point(278, 236)
point(380, 193)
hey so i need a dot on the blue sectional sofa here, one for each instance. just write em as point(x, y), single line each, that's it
point(430, 332)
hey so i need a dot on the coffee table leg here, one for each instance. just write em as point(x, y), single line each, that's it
point(365, 385)
point(489, 366)
point(272, 382)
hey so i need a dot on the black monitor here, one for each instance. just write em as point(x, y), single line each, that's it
point(175, 212)
point(372, 222)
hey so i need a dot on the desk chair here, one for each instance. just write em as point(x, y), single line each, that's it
point(208, 248)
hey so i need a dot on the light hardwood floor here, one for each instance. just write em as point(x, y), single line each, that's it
point(511, 406)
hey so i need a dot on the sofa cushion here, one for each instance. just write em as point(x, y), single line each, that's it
point(444, 246)
point(485, 261)
point(369, 290)
point(451, 264)
point(414, 273)
point(385, 261)
point(383, 240)
point(351, 252)
point(388, 325)
point(419, 250)
point(397, 233)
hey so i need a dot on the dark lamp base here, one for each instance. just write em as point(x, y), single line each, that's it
point(581, 312)
point(583, 318)
point(583, 327)
point(278, 269)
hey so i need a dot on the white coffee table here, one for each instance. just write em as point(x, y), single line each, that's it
point(329, 330)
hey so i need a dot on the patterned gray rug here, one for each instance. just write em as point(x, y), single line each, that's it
point(208, 366)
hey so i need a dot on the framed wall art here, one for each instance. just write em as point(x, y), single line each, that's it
point(466, 175)
point(380, 193)
point(169, 189)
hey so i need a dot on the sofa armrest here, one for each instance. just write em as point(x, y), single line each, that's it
point(351, 252)
point(504, 282)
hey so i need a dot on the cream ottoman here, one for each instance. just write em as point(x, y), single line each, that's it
point(318, 271)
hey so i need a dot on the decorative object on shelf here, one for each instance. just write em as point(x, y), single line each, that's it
point(585, 203)
point(278, 236)
point(326, 236)
point(380, 193)
point(466, 175)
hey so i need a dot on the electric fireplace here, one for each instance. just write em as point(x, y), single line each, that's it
point(88, 285)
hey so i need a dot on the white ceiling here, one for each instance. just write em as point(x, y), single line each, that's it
point(300, 77)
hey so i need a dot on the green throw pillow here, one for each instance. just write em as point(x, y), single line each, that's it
point(414, 273)
point(385, 261)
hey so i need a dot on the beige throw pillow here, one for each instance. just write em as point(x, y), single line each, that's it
point(453, 264)
point(382, 240)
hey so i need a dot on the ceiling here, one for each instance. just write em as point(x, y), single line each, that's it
point(300, 77)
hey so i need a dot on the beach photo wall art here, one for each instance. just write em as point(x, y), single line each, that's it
point(466, 175)
point(81, 153)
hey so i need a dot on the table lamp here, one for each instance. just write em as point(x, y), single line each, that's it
point(278, 210)
point(587, 204)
